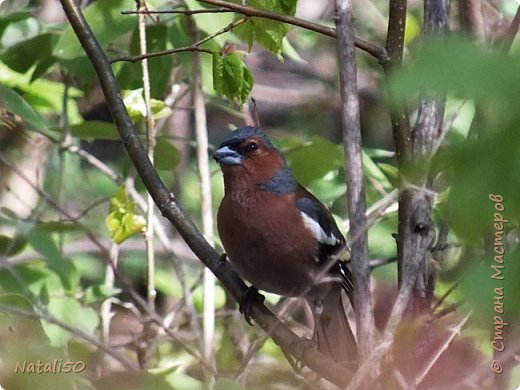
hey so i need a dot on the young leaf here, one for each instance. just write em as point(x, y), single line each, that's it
point(268, 33)
point(231, 77)
point(121, 220)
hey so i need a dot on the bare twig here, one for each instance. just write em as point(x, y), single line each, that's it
point(151, 141)
point(354, 169)
point(185, 12)
point(435, 357)
point(162, 53)
point(192, 48)
point(105, 312)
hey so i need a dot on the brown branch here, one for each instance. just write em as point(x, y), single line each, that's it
point(192, 48)
point(394, 48)
point(377, 52)
point(170, 209)
point(354, 168)
point(161, 53)
point(186, 12)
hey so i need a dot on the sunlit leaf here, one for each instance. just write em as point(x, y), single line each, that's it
point(121, 221)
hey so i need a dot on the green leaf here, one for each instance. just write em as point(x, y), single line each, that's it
point(17, 28)
point(17, 105)
point(69, 311)
point(22, 56)
point(42, 242)
point(10, 246)
point(99, 292)
point(373, 171)
point(231, 77)
point(268, 33)
point(105, 20)
point(121, 220)
point(108, 25)
point(315, 159)
point(490, 164)
point(130, 75)
point(136, 105)
point(167, 156)
point(58, 226)
point(95, 130)
point(32, 277)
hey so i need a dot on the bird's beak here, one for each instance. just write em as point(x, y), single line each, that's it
point(227, 156)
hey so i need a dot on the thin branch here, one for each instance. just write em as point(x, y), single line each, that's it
point(377, 52)
point(105, 311)
point(192, 48)
point(186, 12)
point(151, 135)
point(206, 209)
point(46, 316)
point(394, 47)
point(429, 365)
point(162, 53)
point(166, 203)
point(354, 169)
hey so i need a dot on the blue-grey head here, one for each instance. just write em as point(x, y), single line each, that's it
point(241, 144)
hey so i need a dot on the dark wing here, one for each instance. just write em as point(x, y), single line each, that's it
point(332, 245)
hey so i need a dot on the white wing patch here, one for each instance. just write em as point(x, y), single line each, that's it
point(317, 231)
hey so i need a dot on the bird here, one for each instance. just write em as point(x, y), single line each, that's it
point(282, 239)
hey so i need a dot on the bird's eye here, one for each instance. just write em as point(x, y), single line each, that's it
point(252, 146)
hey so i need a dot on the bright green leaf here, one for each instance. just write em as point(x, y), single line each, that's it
point(268, 33)
point(315, 159)
point(121, 221)
point(231, 77)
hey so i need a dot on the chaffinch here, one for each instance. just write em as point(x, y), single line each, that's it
point(281, 238)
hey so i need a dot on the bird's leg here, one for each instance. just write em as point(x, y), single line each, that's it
point(251, 295)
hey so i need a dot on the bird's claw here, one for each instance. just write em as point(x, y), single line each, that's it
point(251, 295)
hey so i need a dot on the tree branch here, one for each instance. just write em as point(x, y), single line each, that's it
point(354, 169)
point(377, 52)
point(169, 208)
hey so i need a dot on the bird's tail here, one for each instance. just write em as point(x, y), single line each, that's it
point(332, 331)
